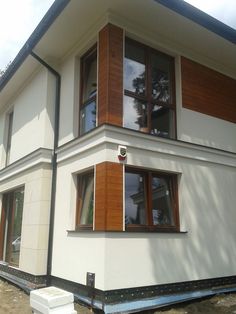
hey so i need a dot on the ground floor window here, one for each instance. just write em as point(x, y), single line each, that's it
point(151, 200)
point(85, 203)
point(11, 224)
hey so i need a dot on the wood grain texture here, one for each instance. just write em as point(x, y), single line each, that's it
point(109, 197)
point(208, 91)
point(110, 75)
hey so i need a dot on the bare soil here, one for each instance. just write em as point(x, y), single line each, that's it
point(16, 301)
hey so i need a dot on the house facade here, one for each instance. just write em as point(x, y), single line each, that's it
point(118, 155)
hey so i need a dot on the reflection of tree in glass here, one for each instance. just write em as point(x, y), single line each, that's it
point(160, 85)
point(160, 91)
point(139, 106)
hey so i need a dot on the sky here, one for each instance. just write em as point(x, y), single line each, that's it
point(20, 17)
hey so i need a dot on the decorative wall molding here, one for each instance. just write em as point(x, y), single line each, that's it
point(39, 156)
point(106, 136)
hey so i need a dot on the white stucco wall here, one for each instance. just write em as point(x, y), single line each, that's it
point(33, 117)
point(206, 130)
point(207, 212)
point(75, 254)
point(123, 260)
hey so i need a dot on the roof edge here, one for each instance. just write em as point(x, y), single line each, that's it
point(196, 15)
point(53, 12)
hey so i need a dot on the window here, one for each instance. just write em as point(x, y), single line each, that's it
point(11, 223)
point(9, 136)
point(149, 101)
point(88, 91)
point(85, 200)
point(151, 200)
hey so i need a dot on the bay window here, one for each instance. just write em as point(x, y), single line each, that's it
point(149, 93)
point(151, 200)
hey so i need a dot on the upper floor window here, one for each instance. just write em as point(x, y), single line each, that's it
point(149, 93)
point(151, 200)
point(88, 91)
point(9, 136)
point(85, 199)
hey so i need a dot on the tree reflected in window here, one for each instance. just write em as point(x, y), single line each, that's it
point(148, 81)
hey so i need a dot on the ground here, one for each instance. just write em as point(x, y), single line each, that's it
point(15, 301)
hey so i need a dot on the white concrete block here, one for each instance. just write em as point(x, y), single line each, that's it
point(43, 309)
point(52, 296)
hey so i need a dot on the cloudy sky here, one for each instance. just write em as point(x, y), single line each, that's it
point(20, 17)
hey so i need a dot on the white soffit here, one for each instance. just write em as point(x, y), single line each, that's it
point(80, 15)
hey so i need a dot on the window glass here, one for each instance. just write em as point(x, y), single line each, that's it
point(90, 77)
point(160, 69)
point(88, 117)
point(135, 199)
point(162, 213)
point(134, 72)
point(13, 210)
point(151, 200)
point(162, 121)
point(135, 114)
point(89, 92)
point(148, 90)
point(86, 198)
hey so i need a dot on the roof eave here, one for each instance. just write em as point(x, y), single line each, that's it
point(54, 11)
point(187, 10)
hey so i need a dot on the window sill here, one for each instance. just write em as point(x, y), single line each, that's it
point(130, 230)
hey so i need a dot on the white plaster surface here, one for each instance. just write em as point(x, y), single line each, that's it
point(124, 260)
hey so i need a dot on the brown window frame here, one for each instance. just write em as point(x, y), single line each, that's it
point(79, 202)
point(149, 226)
point(147, 98)
point(90, 54)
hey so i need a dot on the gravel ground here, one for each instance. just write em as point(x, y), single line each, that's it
point(15, 301)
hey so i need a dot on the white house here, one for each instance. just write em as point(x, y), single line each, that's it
point(118, 154)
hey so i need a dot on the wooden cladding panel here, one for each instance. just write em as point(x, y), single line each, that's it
point(110, 75)
point(208, 91)
point(109, 197)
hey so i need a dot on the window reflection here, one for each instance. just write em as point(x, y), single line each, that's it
point(162, 121)
point(90, 77)
point(89, 92)
point(88, 117)
point(135, 199)
point(160, 65)
point(148, 90)
point(86, 198)
point(134, 69)
point(135, 114)
point(161, 202)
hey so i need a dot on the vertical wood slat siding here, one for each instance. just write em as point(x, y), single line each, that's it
point(109, 196)
point(110, 75)
point(208, 91)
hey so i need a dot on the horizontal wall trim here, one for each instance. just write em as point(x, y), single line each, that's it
point(107, 135)
point(41, 155)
